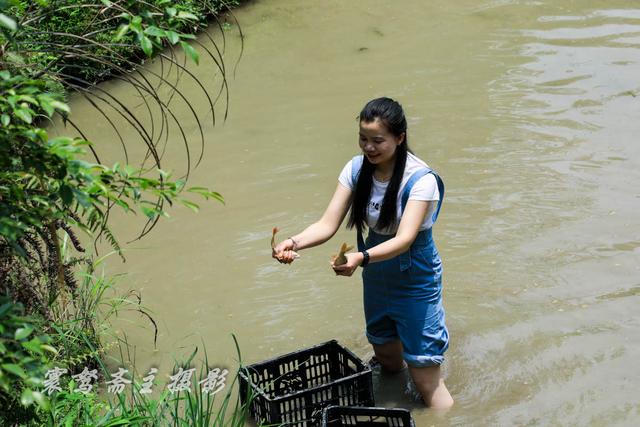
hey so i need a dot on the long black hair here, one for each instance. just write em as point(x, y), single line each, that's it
point(390, 113)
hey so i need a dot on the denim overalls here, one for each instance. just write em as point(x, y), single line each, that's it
point(403, 295)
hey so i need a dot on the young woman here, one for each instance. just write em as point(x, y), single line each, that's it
point(397, 197)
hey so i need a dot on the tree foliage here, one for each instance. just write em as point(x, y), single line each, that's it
point(47, 186)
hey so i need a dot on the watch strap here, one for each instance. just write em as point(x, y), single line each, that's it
point(365, 260)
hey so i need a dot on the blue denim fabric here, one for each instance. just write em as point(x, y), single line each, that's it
point(403, 300)
point(403, 295)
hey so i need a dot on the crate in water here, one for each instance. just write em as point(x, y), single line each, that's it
point(343, 416)
point(293, 389)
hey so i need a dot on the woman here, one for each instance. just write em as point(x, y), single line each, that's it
point(396, 196)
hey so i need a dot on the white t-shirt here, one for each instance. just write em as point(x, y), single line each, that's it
point(426, 188)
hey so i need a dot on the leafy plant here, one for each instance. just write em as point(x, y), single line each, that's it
point(50, 188)
point(23, 359)
point(45, 187)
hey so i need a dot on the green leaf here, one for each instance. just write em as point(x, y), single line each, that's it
point(6, 120)
point(147, 46)
point(194, 207)
point(206, 193)
point(3, 349)
point(45, 104)
point(172, 36)
point(23, 115)
point(49, 349)
point(187, 15)
point(122, 31)
point(5, 75)
point(60, 142)
point(27, 98)
point(60, 106)
point(218, 197)
point(4, 308)
point(171, 12)
point(124, 205)
point(7, 22)
point(189, 50)
point(154, 31)
point(14, 369)
point(41, 400)
point(27, 397)
point(149, 212)
point(82, 198)
point(66, 194)
point(34, 345)
point(198, 190)
point(22, 333)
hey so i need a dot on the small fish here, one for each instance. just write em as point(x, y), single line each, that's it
point(273, 237)
point(340, 259)
point(273, 242)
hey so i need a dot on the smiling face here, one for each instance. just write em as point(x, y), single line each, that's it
point(378, 144)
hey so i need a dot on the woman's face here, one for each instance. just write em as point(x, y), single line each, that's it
point(377, 143)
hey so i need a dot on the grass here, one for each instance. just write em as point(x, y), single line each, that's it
point(194, 408)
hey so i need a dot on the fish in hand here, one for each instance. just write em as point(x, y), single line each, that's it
point(340, 259)
point(273, 242)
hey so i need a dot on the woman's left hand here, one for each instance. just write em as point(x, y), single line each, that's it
point(354, 260)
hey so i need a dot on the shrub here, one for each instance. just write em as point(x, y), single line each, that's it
point(23, 362)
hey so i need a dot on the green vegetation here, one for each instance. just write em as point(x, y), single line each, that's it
point(23, 358)
point(88, 41)
point(53, 309)
point(194, 408)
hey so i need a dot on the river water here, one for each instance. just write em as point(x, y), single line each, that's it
point(530, 112)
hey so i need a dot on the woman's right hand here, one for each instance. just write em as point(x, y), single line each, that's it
point(283, 252)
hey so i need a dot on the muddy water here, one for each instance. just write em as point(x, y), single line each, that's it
point(528, 109)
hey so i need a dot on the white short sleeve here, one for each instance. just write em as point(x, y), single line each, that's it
point(426, 188)
point(345, 177)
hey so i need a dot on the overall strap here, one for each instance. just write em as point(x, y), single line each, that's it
point(425, 235)
point(356, 166)
point(413, 179)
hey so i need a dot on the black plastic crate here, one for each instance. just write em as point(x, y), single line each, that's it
point(342, 416)
point(293, 389)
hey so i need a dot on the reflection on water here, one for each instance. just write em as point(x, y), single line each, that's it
point(529, 110)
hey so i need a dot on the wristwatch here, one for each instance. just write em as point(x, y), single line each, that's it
point(365, 260)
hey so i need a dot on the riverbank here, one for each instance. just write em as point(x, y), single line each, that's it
point(55, 311)
point(91, 41)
